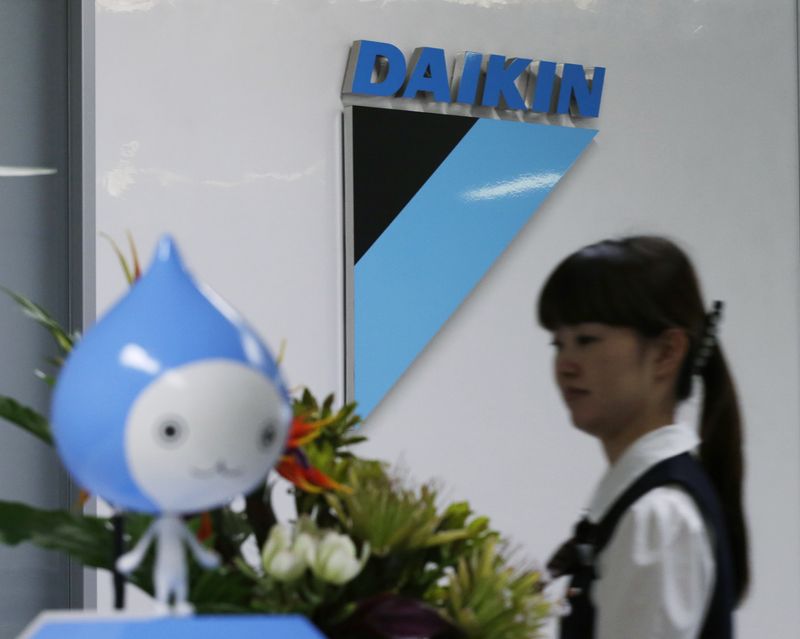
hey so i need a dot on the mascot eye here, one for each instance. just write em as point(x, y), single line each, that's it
point(269, 433)
point(171, 433)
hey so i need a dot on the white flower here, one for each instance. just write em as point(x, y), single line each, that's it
point(283, 558)
point(304, 545)
point(330, 555)
point(334, 559)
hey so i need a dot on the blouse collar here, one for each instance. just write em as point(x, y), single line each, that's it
point(645, 452)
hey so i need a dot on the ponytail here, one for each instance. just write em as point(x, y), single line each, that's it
point(721, 455)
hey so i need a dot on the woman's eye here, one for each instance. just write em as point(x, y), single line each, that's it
point(171, 432)
point(555, 344)
point(585, 340)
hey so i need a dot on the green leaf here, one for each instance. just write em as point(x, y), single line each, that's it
point(222, 587)
point(63, 338)
point(326, 405)
point(26, 418)
point(88, 539)
point(137, 269)
point(260, 516)
point(121, 257)
point(447, 537)
point(307, 402)
point(350, 441)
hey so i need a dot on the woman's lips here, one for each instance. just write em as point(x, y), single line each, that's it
point(571, 394)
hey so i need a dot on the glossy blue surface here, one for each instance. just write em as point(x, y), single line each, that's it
point(368, 52)
point(429, 75)
point(244, 627)
point(166, 320)
point(574, 87)
point(501, 74)
point(470, 73)
point(545, 79)
point(441, 244)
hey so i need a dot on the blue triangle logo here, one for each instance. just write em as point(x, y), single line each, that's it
point(435, 251)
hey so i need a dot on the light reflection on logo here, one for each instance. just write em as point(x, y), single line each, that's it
point(513, 188)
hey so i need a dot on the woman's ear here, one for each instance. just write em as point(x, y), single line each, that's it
point(672, 346)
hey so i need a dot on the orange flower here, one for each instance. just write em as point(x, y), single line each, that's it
point(295, 466)
point(303, 432)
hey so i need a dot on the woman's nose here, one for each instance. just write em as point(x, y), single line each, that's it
point(566, 365)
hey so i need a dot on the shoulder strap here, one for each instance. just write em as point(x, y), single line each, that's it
point(685, 471)
point(682, 470)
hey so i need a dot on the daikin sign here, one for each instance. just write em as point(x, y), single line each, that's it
point(380, 69)
point(432, 199)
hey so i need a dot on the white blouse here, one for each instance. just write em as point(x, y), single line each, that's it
point(656, 575)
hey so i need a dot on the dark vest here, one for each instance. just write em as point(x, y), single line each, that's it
point(576, 557)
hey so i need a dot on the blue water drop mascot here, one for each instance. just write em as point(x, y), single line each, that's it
point(170, 404)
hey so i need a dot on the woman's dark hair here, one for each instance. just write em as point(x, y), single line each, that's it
point(648, 284)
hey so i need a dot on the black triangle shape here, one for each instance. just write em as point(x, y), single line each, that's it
point(393, 154)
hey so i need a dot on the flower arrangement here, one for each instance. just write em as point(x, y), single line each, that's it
point(368, 555)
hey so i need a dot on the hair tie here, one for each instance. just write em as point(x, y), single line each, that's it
point(708, 341)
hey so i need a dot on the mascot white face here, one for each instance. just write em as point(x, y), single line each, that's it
point(203, 433)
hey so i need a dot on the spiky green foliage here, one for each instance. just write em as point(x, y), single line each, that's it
point(487, 597)
point(130, 270)
point(391, 517)
point(63, 338)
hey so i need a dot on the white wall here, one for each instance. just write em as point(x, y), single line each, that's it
point(220, 122)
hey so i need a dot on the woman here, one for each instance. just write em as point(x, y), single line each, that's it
point(662, 551)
